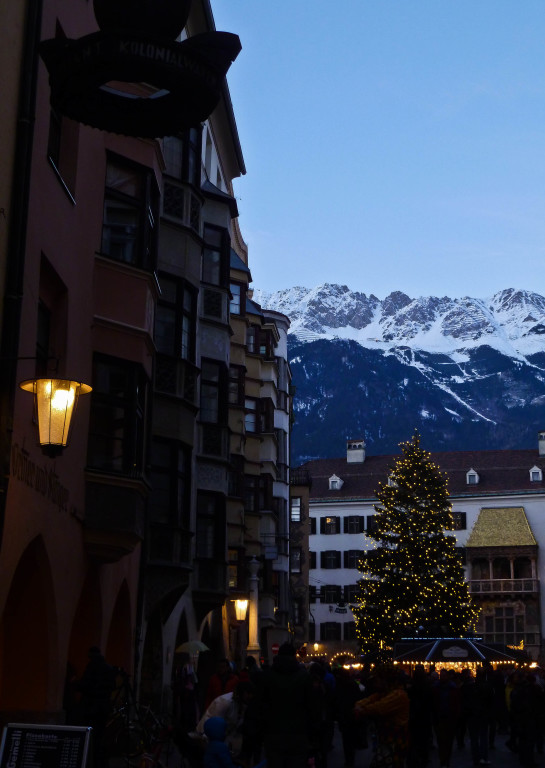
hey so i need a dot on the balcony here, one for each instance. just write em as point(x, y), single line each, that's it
point(504, 586)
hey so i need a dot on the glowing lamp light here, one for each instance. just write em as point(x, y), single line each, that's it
point(241, 606)
point(55, 401)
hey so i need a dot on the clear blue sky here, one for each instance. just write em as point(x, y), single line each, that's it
point(391, 144)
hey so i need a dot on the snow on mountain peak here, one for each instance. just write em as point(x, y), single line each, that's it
point(512, 321)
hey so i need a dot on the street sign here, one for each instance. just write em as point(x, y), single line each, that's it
point(274, 648)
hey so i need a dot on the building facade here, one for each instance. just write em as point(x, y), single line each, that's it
point(498, 503)
point(120, 259)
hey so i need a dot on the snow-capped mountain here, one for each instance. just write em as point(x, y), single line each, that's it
point(467, 373)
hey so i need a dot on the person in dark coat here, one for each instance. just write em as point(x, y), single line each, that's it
point(347, 693)
point(286, 710)
point(420, 719)
point(479, 703)
point(526, 710)
point(446, 711)
point(96, 686)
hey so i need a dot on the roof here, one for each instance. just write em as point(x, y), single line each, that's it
point(237, 263)
point(215, 193)
point(501, 527)
point(499, 472)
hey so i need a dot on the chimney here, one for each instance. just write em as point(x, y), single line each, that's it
point(541, 443)
point(355, 451)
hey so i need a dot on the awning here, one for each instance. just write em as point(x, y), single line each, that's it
point(449, 649)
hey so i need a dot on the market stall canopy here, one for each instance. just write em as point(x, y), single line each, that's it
point(450, 649)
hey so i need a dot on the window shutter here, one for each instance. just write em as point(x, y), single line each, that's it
point(361, 526)
point(346, 522)
point(312, 525)
point(322, 525)
point(346, 560)
point(338, 559)
point(338, 524)
point(312, 559)
point(312, 594)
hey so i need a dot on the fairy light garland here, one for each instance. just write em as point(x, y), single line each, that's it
point(412, 579)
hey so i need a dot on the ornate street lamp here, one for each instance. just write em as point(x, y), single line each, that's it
point(55, 402)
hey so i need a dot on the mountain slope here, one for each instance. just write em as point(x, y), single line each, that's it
point(467, 373)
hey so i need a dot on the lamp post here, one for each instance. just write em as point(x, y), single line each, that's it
point(241, 606)
point(55, 402)
point(253, 648)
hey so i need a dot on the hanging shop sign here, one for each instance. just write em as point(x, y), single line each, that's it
point(93, 78)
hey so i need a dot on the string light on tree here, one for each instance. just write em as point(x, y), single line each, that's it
point(412, 580)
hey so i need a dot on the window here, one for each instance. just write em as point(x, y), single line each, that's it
point(330, 630)
point(349, 630)
point(354, 524)
point(252, 336)
point(331, 593)
point(335, 483)
point(536, 475)
point(295, 509)
point(460, 521)
point(351, 593)
point(233, 563)
point(235, 384)
point(236, 305)
point(175, 319)
point(210, 528)
point(472, 478)
point(182, 156)
point(215, 261)
point(170, 481)
point(130, 214)
point(295, 559)
point(330, 525)
point(118, 408)
point(371, 524)
point(250, 418)
point(212, 403)
point(330, 559)
point(352, 558)
point(251, 493)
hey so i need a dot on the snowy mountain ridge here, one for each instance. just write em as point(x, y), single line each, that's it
point(512, 321)
point(464, 372)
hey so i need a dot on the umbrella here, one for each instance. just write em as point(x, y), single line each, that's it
point(191, 647)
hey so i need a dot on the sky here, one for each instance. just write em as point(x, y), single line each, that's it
point(391, 144)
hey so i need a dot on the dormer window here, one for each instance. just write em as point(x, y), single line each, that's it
point(335, 483)
point(472, 478)
point(536, 475)
point(392, 481)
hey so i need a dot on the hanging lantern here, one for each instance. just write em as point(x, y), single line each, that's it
point(55, 402)
point(241, 606)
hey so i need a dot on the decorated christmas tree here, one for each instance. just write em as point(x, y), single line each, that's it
point(412, 579)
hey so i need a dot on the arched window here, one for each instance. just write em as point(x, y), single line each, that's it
point(480, 568)
point(523, 568)
point(501, 568)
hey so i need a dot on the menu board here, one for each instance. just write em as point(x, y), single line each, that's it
point(26, 745)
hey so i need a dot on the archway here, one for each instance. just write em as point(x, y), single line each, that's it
point(87, 623)
point(28, 634)
point(151, 676)
point(118, 649)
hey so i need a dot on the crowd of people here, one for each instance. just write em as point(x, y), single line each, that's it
point(286, 713)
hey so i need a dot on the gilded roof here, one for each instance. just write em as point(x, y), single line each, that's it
point(501, 527)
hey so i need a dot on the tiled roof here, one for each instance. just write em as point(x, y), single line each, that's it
point(501, 527)
point(499, 472)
